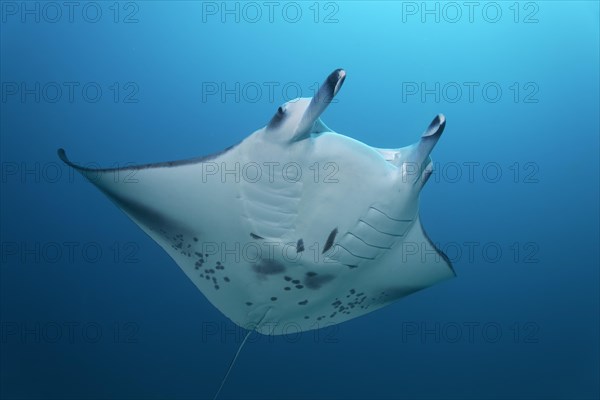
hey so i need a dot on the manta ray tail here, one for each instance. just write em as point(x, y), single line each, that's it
point(239, 350)
point(231, 364)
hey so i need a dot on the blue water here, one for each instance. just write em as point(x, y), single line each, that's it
point(92, 308)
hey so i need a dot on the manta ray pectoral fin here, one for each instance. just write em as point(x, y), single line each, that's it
point(441, 258)
point(112, 182)
point(145, 194)
point(105, 179)
point(421, 263)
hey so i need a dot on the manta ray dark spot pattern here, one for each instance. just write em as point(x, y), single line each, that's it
point(356, 301)
point(330, 240)
point(312, 280)
point(300, 246)
point(268, 267)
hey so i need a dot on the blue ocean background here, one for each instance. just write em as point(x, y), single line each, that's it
point(126, 323)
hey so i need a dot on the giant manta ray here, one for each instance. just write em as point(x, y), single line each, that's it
point(294, 228)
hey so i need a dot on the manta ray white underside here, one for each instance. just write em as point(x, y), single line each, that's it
point(296, 227)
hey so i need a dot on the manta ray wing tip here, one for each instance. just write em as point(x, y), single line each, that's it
point(62, 154)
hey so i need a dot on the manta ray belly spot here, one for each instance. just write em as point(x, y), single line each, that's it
point(267, 266)
point(314, 281)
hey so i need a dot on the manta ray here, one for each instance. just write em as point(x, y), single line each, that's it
point(296, 227)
